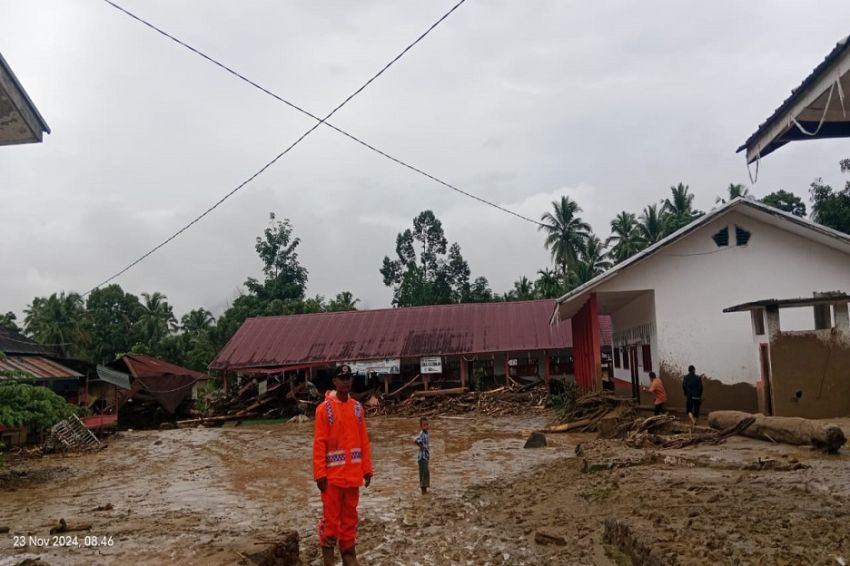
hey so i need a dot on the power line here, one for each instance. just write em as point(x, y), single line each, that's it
point(294, 106)
point(282, 153)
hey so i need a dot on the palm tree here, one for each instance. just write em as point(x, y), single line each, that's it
point(679, 208)
point(523, 289)
point(652, 225)
point(734, 191)
point(626, 237)
point(592, 261)
point(197, 321)
point(343, 301)
point(156, 319)
point(549, 284)
point(565, 232)
point(59, 322)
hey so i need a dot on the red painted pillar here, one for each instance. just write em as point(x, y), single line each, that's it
point(587, 353)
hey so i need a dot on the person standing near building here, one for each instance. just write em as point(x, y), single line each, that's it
point(658, 391)
point(424, 456)
point(692, 387)
point(342, 462)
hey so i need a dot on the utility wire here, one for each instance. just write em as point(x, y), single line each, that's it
point(282, 153)
point(294, 106)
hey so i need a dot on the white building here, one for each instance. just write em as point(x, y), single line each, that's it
point(667, 302)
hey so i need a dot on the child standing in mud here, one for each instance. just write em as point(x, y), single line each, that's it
point(424, 455)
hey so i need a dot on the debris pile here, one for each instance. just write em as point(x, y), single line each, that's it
point(256, 399)
point(70, 435)
point(788, 430)
point(508, 400)
point(601, 412)
point(665, 431)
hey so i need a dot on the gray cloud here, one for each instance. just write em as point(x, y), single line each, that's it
point(518, 102)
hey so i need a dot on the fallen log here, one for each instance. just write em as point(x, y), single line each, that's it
point(788, 430)
point(402, 388)
point(440, 392)
point(568, 427)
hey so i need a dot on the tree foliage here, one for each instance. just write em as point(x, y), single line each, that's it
point(789, 202)
point(565, 232)
point(831, 207)
point(59, 321)
point(9, 321)
point(33, 406)
point(426, 270)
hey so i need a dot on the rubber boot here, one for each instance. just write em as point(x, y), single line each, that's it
point(349, 557)
point(327, 556)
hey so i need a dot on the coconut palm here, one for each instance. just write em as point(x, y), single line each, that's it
point(197, 321)
point(549, 284)
point(156, 319)
point(652, 225)
point(59, 322)
point(625, 236)
point(734, 190)
point(592, 261)
point(565, 231)
point(343, 301)
point(679, 208)
point(523, 289)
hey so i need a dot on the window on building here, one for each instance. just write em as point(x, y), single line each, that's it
point(758, 321)
point(625, 358)
point(823, 317)
point(616, 357)
point(721, 238)
point(646, 352)
point(741, 236)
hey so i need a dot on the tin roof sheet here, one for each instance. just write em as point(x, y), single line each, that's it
point(36, 366)
point(474, 328)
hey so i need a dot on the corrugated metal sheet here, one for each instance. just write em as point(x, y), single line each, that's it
point(38, 367)
point(397, 333)
point(141, 366)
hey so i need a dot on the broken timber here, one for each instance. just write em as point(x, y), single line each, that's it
point(440, 392)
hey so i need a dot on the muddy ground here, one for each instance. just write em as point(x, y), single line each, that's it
point(208, 496)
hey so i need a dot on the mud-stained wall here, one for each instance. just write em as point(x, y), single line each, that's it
point(716, 395)
point(811, 374)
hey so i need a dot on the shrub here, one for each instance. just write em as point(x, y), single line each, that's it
point(34, 406)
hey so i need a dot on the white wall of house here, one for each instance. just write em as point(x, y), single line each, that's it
point(694, 280)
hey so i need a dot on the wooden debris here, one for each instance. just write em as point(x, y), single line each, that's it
point(440, 392)
point(788, 430)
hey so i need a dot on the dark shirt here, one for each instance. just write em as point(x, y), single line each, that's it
point(692, 386)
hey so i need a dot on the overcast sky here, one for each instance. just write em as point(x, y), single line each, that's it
point(518, 102)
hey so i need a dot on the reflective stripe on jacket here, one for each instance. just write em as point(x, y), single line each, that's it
point(341, 450)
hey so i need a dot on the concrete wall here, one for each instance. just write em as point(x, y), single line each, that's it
point(811, 374)
point(694, 280)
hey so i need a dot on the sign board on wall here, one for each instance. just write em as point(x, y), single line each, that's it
point(388, 366)
point(432, 364)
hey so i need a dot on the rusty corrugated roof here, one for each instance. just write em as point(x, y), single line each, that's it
point(16, 343)
point(38, 367)
point(142, 366)
point(474, 328)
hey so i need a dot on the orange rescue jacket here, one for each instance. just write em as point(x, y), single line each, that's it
point(341, 450)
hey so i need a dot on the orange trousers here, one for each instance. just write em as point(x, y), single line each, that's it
point(339, 516)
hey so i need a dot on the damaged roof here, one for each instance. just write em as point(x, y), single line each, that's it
point(37, 367)
point(473, 328)
point(12, 342)
point(142, 366)
point(817, 106)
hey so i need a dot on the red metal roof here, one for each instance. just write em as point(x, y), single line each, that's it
point(473, 328)
point(38, 367)
point(142, 366)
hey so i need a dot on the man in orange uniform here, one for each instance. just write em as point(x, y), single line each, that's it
point(342, 461)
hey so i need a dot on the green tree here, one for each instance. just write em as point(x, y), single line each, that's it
point(789, 202)
point(480, 291)
point(549, 284)
point(830, 207)
point(592, 261)
point(565, 232)
point(652, 225)
point(678, 209)
point(156, 319)
point(8, 321)
point(625, 237)
point(111, 315)
point(197, 321)
point(33, 406)
point(59, 321)
point(733, 191)
point(426, 271)
point(344, 301)
point(523, 290)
